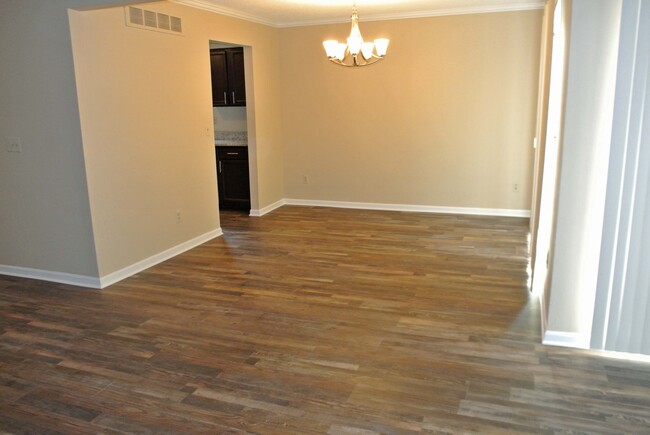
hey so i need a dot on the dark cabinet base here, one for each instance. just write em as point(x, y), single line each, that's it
point(233, 180)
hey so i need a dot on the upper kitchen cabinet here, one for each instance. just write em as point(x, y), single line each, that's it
point(228, 83)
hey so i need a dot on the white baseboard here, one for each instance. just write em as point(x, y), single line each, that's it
point(131, 270)
point(410, 208)
point(112, 278)
point(566, 339)
point(267, 209)
point(46, 275)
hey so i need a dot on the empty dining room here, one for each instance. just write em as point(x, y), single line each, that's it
point(444, 228)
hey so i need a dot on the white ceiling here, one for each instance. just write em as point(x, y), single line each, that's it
point(287, 13)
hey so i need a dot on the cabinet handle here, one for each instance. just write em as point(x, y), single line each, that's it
point(233, 154)
point(225, 97)
point(233, 97)
point(220, 167)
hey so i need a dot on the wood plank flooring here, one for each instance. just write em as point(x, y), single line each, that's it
point(311, 320)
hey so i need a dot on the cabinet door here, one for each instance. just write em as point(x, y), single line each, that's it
point(232, 176)
point(235, 185)
point(236, 80)
point(219, 71)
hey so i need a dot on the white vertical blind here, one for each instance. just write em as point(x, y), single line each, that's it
point(622, 309)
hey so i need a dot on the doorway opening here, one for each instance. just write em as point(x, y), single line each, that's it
point(233, 115)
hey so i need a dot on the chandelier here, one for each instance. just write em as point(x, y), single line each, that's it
point(348, 54)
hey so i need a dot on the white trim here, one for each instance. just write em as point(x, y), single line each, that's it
point(566, 339)
point(411, 208)
point(484, 9)
point(478, 9)
point(46, 275)
point(624, 356)
point(267, 209)
point(131, 270)
point(211, 7)
point(105, 281)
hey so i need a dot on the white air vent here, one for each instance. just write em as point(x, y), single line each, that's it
point(163, 21)
point(135, 16)
point(176, 25)
point(150, 20)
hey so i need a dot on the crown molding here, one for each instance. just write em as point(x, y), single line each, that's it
point(211, 7)
point(482, 9)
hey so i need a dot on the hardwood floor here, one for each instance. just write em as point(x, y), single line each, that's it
point(311, 320)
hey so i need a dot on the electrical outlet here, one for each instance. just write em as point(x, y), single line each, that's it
point(14, 145)
point(515, 187)
point(179, 217)
point(305, 180)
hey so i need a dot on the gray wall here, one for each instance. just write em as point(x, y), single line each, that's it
point(44, 212)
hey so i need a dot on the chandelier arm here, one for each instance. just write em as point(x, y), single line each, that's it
point(374, 56)
point(368, 63)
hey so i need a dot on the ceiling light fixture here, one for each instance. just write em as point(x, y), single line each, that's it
point(348, 54)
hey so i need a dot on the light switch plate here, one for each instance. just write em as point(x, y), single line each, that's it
point(14, 145)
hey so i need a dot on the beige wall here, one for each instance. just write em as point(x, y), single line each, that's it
point(147, 127)
point(447, 119)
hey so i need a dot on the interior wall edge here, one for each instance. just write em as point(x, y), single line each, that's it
point(543, 313)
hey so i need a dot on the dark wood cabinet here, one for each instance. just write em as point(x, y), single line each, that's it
point(232, 176)
point(219, 77)
point(228, 82)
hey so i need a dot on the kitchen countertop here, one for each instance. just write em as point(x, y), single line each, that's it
point(230, 143)
point(230, 138)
